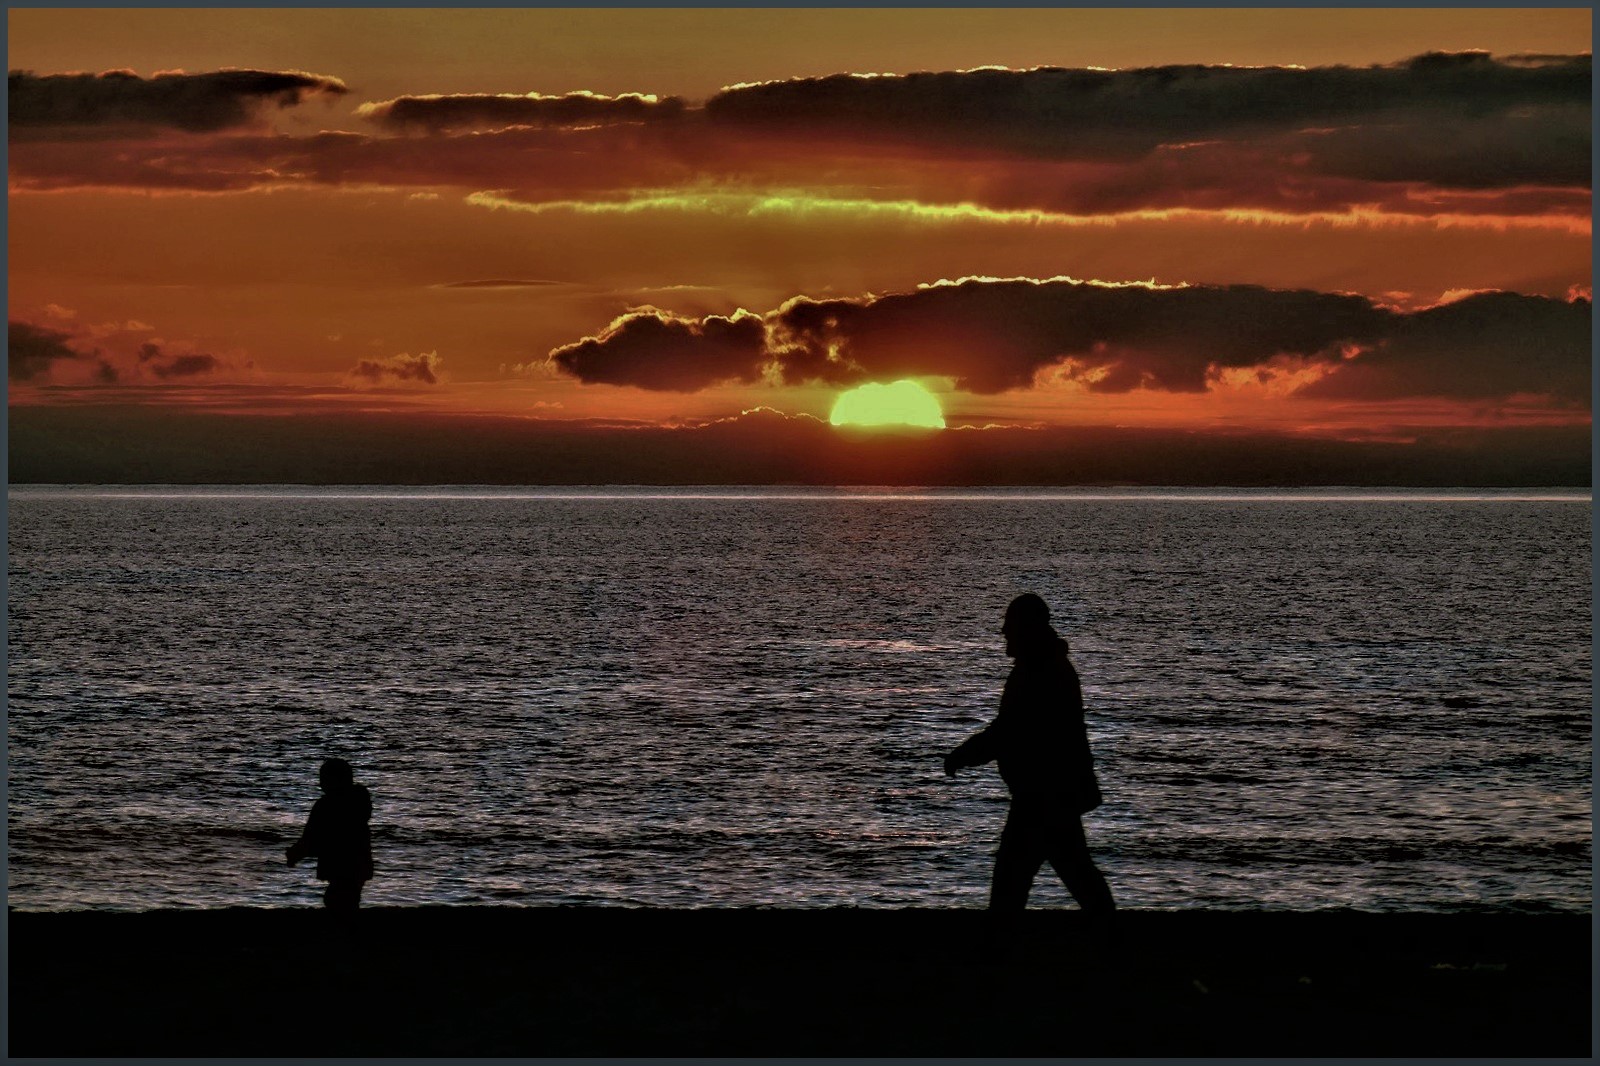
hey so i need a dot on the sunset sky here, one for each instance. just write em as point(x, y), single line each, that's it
point(1342, 225)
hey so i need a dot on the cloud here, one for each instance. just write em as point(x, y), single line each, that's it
point(1546, 145)
point(545, 163)
point(164, 365)
point(499, 283)
point(422, 368)
point(35, 353)
point(993, 335)
point(654, 349)
point(1439, 136)
point(32, 350)
point(759, 415)
point(1108, 115)
point(1281, 178)
point(104, 330)
point(184, 366)
point(466, 111)
point(1483, 346)
point(216, 100)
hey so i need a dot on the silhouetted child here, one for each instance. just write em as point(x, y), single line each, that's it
point(336, 833)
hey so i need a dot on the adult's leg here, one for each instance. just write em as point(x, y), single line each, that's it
point(1069, 856)
point(1017, 861)
point(342, 896)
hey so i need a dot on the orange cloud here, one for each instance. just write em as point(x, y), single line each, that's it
point(39, 356)
point(422, 369)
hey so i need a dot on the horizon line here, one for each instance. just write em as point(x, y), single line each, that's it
point(975, 493)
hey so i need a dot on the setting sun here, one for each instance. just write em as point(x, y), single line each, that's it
point(904, 403)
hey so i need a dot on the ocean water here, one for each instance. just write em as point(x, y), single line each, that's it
point(728, 697)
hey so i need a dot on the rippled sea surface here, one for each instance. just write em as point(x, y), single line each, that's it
point(733, 697)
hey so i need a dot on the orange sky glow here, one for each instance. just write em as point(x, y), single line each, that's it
point(1348, 224)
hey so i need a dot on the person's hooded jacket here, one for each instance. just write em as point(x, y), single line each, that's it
point(337, 834)
point(1038, 739)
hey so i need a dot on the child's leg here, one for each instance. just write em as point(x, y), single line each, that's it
point(342, 895)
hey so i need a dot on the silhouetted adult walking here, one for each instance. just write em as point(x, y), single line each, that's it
point(336, 833)
point(1042, 748)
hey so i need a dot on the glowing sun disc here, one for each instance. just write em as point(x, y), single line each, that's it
point(904, 403)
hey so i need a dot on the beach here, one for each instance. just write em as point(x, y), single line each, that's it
point(576, 981)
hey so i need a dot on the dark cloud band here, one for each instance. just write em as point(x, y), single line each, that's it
point(1095, 113)
point(990, 336)
point(91, 441)
point(199, 103)
point(442, 113)
point(1438, 135)
point(996, 335)
point(32, 350)
point(656, 350)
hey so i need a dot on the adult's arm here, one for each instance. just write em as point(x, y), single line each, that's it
point(307, 845)
point(976, 750)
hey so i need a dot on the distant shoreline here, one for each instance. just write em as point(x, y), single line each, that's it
point(131, 445)
point(1197, 493)
point(469, 981)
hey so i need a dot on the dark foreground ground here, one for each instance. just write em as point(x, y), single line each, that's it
point(586, 981)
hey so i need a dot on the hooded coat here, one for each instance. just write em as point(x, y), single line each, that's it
point(1039, 739)
point(337, 834)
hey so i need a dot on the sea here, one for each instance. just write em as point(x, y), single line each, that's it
point(740, 697)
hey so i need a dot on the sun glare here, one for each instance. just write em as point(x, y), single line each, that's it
point(904, 403)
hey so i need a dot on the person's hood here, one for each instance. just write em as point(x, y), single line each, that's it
point(1046, 646)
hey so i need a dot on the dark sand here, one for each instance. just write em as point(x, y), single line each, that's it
point(603, 981)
